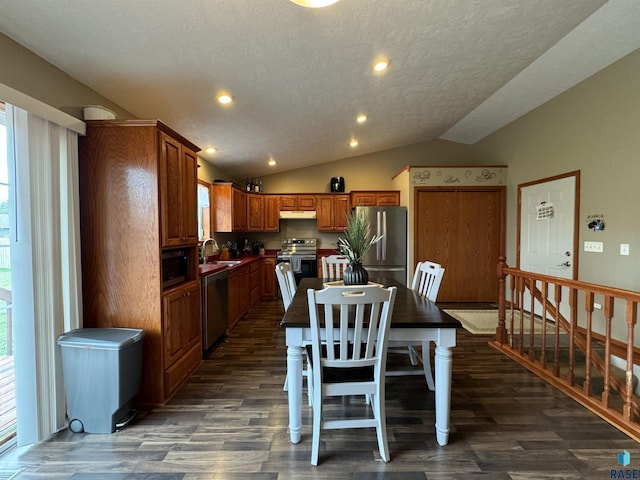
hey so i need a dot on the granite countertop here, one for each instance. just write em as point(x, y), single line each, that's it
point(209, 268)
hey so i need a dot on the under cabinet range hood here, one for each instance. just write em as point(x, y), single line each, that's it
point(297, 214)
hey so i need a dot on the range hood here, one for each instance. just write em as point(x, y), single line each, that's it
point(297, 214)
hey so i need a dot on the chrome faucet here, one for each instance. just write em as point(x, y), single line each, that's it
point(204, 246)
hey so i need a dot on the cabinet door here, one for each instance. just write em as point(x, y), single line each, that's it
point(307, 202)
point(288, 202)
point(178, 193)
point(192, 319)
point(255, 212)
point(341, 209)
point(324, 213)
point(171, 191)
point(269, 277)
point(239, 199)
point(271, 213)
point(172, 307)
point(255, 272)
point(363, 199)
point(391, 198)
point(189, 195)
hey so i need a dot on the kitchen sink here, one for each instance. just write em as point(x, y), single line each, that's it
point(227, 262)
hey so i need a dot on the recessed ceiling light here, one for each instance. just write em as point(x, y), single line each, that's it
point(211, 150)
point(381, 65)
point(361, 118)
point(315, 3)
point(272, 162)
point(225, 98)
point(353, 143)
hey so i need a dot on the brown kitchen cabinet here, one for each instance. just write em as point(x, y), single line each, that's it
point(228, 208)
point(271, 213)
point(375, 198)
point(255, 281)
point(178, 192)
point(255, 212)
point(304, 202)
point(332, 212)
point(129, 174)
point(182, 330)
point(269, 277)
point(239, 294)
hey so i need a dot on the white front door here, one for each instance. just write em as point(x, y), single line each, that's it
point(548, 228)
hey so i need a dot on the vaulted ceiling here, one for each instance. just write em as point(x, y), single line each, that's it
point(460, 69)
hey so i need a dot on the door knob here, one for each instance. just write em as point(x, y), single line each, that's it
point(565, 264)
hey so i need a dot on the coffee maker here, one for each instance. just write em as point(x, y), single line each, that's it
point(337, 184)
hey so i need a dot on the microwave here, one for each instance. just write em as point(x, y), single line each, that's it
point(175, 268)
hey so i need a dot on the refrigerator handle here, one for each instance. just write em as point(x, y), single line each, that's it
point(378, 229)
point(384, 235)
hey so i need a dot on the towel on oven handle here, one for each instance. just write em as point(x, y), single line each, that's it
point(296, 263)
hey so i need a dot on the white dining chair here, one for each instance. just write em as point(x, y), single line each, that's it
point(288, 287)
point(426, 281)
point(287, 283)
point(333, 266)
point(349, 357)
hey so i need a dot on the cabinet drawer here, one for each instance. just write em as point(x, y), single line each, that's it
point(175, 375)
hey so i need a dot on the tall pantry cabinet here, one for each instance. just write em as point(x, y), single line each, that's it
point(138, 184)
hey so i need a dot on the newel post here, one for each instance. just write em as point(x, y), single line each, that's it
point(501, 330)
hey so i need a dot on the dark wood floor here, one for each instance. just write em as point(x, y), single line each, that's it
point(230, 422)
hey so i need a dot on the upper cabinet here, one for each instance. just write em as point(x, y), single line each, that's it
point(305, 202)
point(332, 212)
point(229, 208)
point(375, 198)
point(255, 212)
point(271, 213)
point(178, 194)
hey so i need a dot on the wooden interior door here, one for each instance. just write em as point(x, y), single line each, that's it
point(463, 231)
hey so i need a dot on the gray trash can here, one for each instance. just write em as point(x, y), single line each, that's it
point(102, 369)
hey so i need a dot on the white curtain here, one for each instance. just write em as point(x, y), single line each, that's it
point(45, 265)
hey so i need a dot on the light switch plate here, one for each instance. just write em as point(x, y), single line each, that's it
point(624, 249)
point(596, 247)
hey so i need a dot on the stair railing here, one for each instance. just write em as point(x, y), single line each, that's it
point(562, 331)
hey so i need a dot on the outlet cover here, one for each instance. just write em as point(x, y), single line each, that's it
point(596, 247)
point(624, 249)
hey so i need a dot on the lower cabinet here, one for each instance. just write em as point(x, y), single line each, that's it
point(269, 277)
point(238, 294)
point(182, 333)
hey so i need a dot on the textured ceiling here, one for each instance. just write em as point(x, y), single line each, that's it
point(299, 76)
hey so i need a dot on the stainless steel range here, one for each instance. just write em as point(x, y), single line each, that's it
point(302, 254)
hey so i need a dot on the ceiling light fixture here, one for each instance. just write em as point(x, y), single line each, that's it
point(315, 3)
point(381, 65)
point(212, 150)
point(225, 98)
point(353, 143)
point(272, 162)
point(361, 118)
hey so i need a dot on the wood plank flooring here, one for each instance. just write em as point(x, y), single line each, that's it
point(230, 422)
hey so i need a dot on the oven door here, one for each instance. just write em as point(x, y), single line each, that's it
point(308, 268)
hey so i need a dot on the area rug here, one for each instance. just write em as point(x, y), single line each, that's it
point(478, 322)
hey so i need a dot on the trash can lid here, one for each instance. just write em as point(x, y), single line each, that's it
point(104, 338)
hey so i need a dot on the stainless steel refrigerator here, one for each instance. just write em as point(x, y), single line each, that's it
point(388, 258)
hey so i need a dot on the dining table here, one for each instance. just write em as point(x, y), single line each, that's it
point(414, 319)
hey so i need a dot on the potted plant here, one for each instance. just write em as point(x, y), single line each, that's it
point(354, 245)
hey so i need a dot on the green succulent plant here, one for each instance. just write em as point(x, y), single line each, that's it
point(358, 237)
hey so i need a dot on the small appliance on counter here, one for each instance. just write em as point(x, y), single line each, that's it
point(337, 184)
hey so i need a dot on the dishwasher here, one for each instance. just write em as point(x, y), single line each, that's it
point(215, 307)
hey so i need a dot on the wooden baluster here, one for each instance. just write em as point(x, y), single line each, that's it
point(532, 287)
point(557, 298)
point(543, 340)
point(632, 313)
point(573, 314)
point(501, 332)
point(521, 286)
point(608, 316)
point(514, 304)
point(588, 306)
